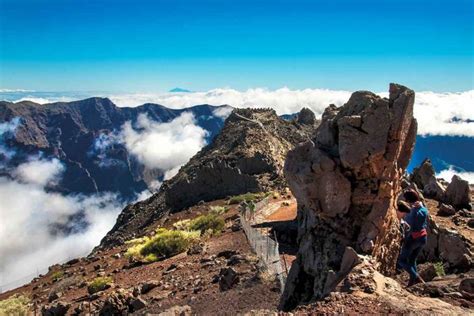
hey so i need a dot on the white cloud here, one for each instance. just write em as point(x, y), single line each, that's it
point(434, 111)
point(223, 112)
point(447, 175)
point(172, 172)
point(38, 100)
point(40, 172)
point(283, 100)
point(14, 90)
point(6, 130)
point(31, 217)
point(164, 145)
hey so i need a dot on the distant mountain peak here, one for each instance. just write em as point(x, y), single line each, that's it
point(177, 89)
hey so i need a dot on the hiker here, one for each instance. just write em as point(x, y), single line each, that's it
point(403, 209)
point(416, 237)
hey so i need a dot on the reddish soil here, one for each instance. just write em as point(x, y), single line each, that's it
point(453, 222)
point(284, 213)
point(190, 282)
point(347, 304)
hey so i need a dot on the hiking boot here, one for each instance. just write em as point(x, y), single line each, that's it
point(417, 280)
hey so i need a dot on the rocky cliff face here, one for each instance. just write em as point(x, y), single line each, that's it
point(68, 130)
point(346, 181)
point(247, 156)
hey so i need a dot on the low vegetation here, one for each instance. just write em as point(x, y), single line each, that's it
point(247, 197)
point(167, 243)
point(164, 244)
point(57, 275)
point(182, 225)
point(210, 224)
point(15, 305)
point(219, 210)
point(439, 268)
point(99, 284)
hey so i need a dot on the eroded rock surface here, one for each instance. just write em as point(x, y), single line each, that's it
point(458, 193)
point(346, 181)
point(422, 175)
point(449, 246)
point(425, 179)
point(247, 156)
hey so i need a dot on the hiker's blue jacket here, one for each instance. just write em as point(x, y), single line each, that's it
point(418, 221)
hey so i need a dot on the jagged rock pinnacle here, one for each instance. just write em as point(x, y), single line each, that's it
point(346, 181)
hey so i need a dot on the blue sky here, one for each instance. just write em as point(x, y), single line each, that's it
point(115, 45)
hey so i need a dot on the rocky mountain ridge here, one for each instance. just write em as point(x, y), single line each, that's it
point(247, 156)
point(69, 130)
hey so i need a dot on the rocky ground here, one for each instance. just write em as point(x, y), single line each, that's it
point(224, 272)
point(189, 281)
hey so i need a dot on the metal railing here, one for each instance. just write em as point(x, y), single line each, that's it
point(265, 247)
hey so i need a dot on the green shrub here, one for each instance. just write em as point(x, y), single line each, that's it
point(136, 246)
point(167, 243)
point(99, 284)
point(57, 275)
point(16, 304)
point(439, 268)
point(182, 225)
point(247, 197)
point(210, 222)
point(219, 210)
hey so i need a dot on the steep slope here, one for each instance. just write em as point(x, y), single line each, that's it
point(247, 156)
point(68, 131)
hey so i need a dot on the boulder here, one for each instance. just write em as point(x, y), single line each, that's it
point(454, 287)
point(449, 246)
point(346, 181)
point(467, 285)
point(55, 309)
point(306, 116)
point(148, 286)
point(458, 193)
point(136, 304)
point(446, 210)
point(455, 250)
point(434, 189)
point(427, 271)
point(116, 303)
point(228, 277)
point(470, 222)
point(54, 295)
point(423, 174)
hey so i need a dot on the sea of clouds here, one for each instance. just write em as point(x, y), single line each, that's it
point(448, 113)
point(29, 211)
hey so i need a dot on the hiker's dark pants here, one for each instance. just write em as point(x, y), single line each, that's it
point(410, 250)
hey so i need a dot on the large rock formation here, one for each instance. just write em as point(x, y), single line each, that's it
point(346, 181)
point(449, 246)
point(423, 174)
point(458, 193)
point(424, 177)
point(247, 156)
